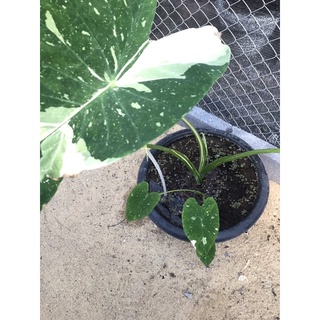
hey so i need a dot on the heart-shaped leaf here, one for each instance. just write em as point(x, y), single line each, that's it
point(201, 226)
point(141, 202)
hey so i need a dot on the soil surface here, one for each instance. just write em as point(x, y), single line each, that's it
point(95, 265)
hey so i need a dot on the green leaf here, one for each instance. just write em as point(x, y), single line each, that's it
point(214, 164)
point(48, 188)
point(141, 202)
point(84, 45)
point(180, 156)
point(106, 89)
point(202, 145)
point(52, 150)
point(201, 226)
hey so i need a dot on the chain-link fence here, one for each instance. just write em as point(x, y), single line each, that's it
point(248, 94)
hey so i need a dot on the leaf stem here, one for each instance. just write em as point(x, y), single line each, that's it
point(212, 165)
point(155, 163)
point(187, 162)
point(203, 155)
point(185, 190)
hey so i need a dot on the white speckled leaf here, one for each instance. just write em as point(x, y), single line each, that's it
point(98, 81)
point(201, 225)
point(141, 202)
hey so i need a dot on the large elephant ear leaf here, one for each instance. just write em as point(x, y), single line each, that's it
point(106, 89)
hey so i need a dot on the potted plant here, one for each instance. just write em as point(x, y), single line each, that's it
point(204, 169)
point(107, 90)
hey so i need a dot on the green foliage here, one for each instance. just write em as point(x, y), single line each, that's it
point(141, 202)
point(48, 189)
point(106, 89)
point(201, 226)
point(204, 166)
point(200, 222)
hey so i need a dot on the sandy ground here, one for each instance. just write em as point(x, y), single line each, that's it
point(95, 265)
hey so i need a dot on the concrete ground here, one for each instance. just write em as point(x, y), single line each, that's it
point(95, 265)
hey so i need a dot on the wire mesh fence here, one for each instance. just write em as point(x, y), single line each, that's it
point(248, 94)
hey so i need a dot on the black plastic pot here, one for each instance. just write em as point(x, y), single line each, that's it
point(160, 215)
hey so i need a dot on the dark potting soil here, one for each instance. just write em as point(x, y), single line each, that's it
point(233, 185)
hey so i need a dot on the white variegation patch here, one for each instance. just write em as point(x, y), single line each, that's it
point(96, 11)
point(95, 74)
point(135, 105)
point(113, 53)
point(182, 50)
point(120, 112)
point(52, 118)
point(51, 25)
point(139, 87)
point(76, 157)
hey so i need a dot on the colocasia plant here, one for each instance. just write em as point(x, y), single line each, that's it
point(107, 90)
point(200, 221)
